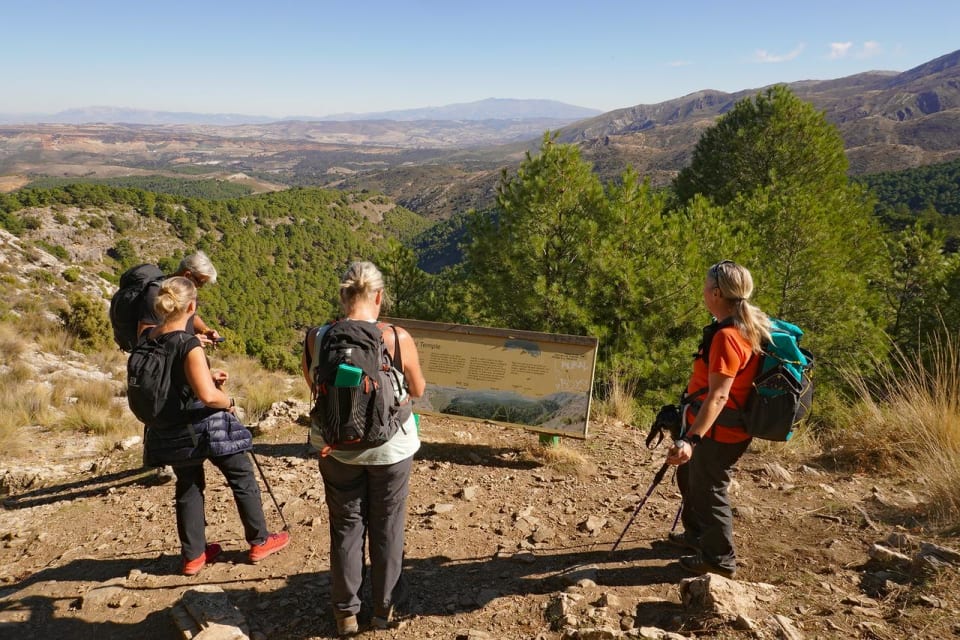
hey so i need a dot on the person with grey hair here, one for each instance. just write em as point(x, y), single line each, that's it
point(198, 269)
point(366, 489)
point(714, 437)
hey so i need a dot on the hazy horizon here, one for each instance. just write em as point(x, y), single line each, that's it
point(289, 59)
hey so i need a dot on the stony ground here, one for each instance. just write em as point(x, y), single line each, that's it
point(496, 532)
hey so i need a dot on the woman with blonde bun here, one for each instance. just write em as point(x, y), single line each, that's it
point(197, 423)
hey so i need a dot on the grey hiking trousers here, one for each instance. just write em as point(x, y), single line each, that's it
point(365, 501)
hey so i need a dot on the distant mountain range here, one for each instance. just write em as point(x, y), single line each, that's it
point(445, 160)
point(489, 109)
point(888, 121)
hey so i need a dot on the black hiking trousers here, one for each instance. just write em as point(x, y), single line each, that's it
point(191, 521)
point(707, 516)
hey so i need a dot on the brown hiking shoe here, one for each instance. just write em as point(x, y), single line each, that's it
point(682, 540)
point(699, 565)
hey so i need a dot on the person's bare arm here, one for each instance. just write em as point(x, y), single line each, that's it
point(416, 384)
point(204, 332)
point(202, 381)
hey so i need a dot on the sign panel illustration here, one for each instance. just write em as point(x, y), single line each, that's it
point(539, 381)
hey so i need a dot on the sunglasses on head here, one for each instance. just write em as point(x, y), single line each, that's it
point(715, 269)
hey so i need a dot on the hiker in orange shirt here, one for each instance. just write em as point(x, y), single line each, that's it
point(713, 439)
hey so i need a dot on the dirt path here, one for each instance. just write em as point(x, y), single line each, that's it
point(493, 536)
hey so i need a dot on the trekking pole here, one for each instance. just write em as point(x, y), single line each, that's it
point(657, 479)
point(286, 527)
point(676, 519)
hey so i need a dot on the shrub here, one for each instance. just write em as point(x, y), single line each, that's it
point(71, 274)
point(87, 320)
point(120, 223)
point(908, 421)
point(54, 250)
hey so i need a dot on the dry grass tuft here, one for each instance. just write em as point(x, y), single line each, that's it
point(254, 388)
point(99, 393)
point(56, 341)
point(12, 344)
point(257, 397)
point(617, 402)
point(110, 361)
point(908, 421)
point(561, 459)
point(18, 373)
point(22, 404)
point(802, 446)
point(113, 420)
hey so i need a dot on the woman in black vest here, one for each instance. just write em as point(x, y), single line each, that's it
point(197, 423)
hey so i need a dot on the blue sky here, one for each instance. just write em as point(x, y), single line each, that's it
point(317, 58)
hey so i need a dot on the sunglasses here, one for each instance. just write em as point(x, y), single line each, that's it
point(715, 271)
point(197, 281)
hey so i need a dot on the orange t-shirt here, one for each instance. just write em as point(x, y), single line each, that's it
point(730, 356)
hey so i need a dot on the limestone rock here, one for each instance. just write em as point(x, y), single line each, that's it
point(728, 599)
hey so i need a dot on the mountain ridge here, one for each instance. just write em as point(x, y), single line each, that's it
point(486, 109)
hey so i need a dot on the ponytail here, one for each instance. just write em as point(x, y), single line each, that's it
point(736, 285)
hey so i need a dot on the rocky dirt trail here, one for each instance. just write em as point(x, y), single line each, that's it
point(501, 543)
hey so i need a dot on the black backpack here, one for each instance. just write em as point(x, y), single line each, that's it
point(149, 376)
point(782, 391)
point(126, 303)
point(374, 406)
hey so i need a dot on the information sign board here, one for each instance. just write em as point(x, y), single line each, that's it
point(539, 381)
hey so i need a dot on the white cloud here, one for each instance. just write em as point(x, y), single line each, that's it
point(679, 63)
point(839, 50)
point(870, 49)
point(762, 55)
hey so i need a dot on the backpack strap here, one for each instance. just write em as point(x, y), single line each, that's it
point(314, 356)
point(397, 352)
point(729, 416)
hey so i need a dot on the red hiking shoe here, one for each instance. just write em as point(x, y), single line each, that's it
point(273, 543)
point(192, 567)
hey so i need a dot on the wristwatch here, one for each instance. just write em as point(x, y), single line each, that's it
point(693, 439)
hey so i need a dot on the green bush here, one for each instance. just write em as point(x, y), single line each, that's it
point(87, 320)
point(54, 250)
point(71, 274)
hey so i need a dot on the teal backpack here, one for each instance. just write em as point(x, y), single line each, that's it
point(782, 390)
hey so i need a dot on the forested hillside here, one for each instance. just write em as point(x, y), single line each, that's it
point(930, 194)
point(279, 255)
point(562, 251)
